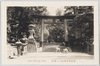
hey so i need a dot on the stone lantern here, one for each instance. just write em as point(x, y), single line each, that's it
point(31, 47)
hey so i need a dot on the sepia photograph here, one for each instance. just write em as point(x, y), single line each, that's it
point(62, 34)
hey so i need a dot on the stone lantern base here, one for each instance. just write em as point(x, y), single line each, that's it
point(31, 46)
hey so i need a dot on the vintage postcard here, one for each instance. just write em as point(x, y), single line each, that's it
point(49, 33)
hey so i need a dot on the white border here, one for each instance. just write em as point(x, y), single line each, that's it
point(51, 3)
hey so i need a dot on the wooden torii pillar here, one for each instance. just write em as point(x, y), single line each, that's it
point(42, 32)
point(65, 29)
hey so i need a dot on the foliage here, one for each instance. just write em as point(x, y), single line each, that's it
point(18, 19)
point(81, 28)
point(77, 10)
point(56, 32)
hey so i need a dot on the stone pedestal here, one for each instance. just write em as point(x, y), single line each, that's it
point(39, 49)
point(91, 49)
point(31, 46)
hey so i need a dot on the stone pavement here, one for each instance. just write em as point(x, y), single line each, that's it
point(69, 55)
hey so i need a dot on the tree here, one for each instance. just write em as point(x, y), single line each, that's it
point(18, 19)
point(83, 20)
point(59, 12)
point(78, 10)
point(81, 27)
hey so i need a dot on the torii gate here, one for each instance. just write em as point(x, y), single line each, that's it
point(43, 19)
